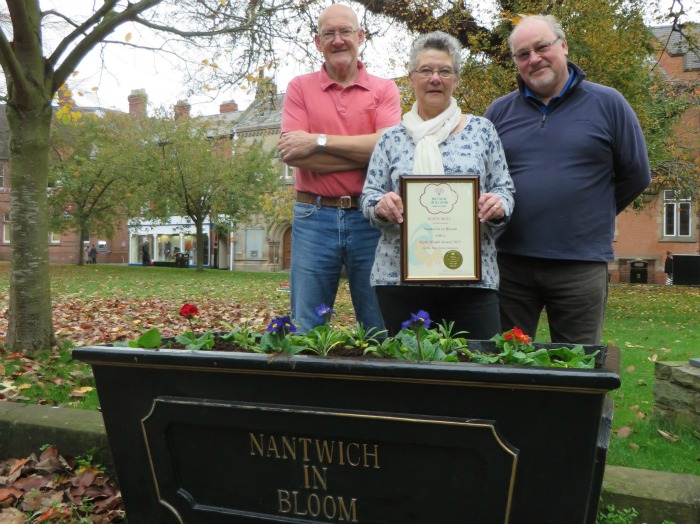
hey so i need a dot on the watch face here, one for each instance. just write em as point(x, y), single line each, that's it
point(321, 141)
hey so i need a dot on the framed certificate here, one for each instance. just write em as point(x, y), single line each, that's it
point(440, 231)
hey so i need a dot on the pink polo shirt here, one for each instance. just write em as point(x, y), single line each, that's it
point(317, 104)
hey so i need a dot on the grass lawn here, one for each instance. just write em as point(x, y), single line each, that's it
point(106, 303)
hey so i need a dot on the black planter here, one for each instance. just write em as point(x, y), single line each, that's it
point(203, 437)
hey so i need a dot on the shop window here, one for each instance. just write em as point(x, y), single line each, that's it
point(254, 243)
point(167, 246)
point(136, 248)
point(677, 215)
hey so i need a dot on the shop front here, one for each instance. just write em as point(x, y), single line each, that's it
point(167, 243)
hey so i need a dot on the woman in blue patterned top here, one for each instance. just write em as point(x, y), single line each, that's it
point(435, 138)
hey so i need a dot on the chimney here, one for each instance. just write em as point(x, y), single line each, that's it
point(137, 102)
point(182, 109)
point(228, 107)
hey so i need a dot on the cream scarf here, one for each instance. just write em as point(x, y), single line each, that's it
point(428, 135)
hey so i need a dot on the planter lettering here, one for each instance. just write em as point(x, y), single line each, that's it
point(211, 437)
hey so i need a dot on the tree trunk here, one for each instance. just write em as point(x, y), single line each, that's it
point(84, 232)
point(30, 324)
point(199, 235)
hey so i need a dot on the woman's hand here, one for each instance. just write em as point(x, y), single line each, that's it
point(490, 208)
point(390, 208)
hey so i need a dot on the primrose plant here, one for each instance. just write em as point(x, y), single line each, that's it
point(322, 339)
point(189, 339)
point(275, 339)
point(418, 342)
point(516, 348)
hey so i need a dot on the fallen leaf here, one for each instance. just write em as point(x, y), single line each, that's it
point(12, 516)
point(9, 493)
point(18, 464)
point(668, 436)
point(624, 432)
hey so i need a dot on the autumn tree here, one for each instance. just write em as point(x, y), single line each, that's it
point(277, 207)
point(200, 176)
point(92, 174)
point(234, 35)
point(607, 38)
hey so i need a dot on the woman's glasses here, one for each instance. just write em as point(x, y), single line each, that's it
point(426, 72)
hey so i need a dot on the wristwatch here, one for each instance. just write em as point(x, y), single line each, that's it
point(373, 206)
point(321, 141)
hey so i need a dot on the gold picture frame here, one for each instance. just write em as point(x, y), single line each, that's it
point(440, 239)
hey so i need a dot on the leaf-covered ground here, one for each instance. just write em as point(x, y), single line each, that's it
point(98, 304)
point(57, 489)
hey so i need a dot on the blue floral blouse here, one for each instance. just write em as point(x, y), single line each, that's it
point(475, 150)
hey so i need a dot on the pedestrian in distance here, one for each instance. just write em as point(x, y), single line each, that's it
point(145, 254)
point(668, 268)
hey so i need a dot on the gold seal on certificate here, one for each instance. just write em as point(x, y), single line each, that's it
point(453, 259)
point(440, 231)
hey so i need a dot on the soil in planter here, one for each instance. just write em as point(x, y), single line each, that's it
point(337, 352)
point(224, 345)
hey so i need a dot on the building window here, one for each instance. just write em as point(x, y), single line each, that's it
point(167, 246)
point(677, 215)
point(6, 229)
point(254, 243)
point(2, 175)
point(54, 238)
point(288, 173)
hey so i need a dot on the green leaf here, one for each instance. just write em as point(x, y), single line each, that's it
point(151, 339)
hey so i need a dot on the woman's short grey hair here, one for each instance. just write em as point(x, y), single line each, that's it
point(439, 41)
point(548, 19)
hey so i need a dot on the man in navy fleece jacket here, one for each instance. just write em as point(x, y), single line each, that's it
point(577, 157)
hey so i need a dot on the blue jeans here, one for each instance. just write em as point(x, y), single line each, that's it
point(323, 240)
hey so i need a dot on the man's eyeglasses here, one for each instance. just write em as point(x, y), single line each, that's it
point(345, 34)
point(426, 72)
point(524, 55)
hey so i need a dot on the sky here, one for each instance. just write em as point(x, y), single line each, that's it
point(129, 69)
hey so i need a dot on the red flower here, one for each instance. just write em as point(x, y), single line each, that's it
point(516, 334)
point(189, 311)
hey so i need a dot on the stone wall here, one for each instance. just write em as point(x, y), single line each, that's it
point(677, 392)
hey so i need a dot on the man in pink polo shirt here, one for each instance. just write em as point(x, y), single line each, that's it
point(331, 121)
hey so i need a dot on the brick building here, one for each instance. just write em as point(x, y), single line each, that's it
point(667, 222)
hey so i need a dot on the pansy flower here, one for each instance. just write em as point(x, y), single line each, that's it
point(281, 325)
point(324, 311)
point(418, 320)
